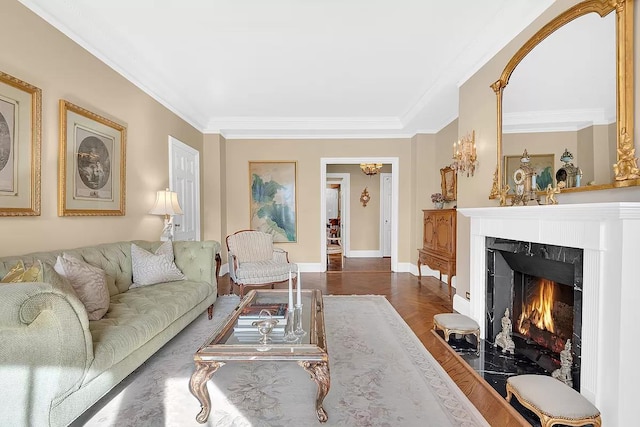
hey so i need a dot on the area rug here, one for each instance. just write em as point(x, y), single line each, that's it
point(381, 375)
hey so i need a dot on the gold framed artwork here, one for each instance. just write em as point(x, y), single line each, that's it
point(20, 136)
point(272, 199)
point(449, 184)
point(91, 169)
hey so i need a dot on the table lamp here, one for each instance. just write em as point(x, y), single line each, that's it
point(167, 205)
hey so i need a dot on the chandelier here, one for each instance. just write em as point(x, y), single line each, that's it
point(464, 154)
point(370, 168)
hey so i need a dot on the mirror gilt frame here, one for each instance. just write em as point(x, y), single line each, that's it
point(626, 170)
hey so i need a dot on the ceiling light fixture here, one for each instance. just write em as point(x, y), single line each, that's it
point(370, 168)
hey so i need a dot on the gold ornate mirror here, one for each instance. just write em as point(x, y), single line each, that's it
point(623, 170)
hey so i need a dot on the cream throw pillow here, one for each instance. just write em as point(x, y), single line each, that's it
point(89, 283)
point(20, 274)
point(149, 269)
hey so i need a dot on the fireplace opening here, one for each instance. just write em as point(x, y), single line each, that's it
point(543, 311)
point(541, 286)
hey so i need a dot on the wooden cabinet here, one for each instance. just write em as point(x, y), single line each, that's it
point(439, 242)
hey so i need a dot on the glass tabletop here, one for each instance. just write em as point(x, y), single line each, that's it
point(243, 341)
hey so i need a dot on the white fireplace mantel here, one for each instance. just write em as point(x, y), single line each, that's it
point(609, 234)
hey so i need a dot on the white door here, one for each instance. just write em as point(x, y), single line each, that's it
point(184, 176)
point(385, 213)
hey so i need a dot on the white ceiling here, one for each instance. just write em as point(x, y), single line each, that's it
point(297, 68)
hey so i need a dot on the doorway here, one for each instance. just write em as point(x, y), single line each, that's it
point(184, 179)
point(394, 203)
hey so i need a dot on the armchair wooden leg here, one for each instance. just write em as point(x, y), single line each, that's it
point(210, 312)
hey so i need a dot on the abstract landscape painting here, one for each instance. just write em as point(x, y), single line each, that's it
point(273, 199)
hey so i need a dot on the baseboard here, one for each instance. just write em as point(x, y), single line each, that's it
point(461, 305)
point(365, 254)
point(311, 267)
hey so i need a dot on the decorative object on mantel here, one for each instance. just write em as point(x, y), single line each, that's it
point(465, 158)
point(364, 197)
point(566, 361)
point(370, 168)
point(438, 200)
point(525, 181)
point(627, 166)
point(568, 173)
point(550, 198)
point(503, 195)
point(503, 339)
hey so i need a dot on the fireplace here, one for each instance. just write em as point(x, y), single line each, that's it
point(608, 235)
point(541, 286)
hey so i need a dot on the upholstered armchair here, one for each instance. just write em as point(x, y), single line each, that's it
point(254, 261)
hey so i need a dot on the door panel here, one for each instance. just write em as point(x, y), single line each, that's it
point(185, 178)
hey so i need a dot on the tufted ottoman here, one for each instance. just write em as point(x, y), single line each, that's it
point(553, 401)
point(458, 324)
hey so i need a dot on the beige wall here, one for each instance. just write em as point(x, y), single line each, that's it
point(42, 56)
point(477, 110)
point(308, 154)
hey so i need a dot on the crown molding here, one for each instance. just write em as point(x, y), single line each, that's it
point(555, 120)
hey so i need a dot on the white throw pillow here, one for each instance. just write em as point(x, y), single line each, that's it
point(149, 269)
point(89, 283)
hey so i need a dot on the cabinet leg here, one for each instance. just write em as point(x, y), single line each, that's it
point(419, 269)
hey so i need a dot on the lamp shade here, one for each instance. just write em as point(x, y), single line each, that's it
point(166, 203)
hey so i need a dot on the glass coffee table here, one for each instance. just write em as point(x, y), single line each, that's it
point(224, 345)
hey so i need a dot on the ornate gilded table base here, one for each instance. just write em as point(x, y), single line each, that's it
point(198, 387)
point(319, 372)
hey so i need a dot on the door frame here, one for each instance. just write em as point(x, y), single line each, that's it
point(344, 179)
point(395, 174)
point(382, 197)
point(176, 143)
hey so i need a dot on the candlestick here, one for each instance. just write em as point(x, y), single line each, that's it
point(290, 293)
point(299, 285)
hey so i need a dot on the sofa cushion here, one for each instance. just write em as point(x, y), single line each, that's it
point(151, 268)
point(136, 316)
point(20, 274)
point(89, 283)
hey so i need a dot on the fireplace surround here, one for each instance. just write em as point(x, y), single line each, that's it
point(609, 236)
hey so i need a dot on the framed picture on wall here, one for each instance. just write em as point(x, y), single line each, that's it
point(20, 133)
point(272, 199)
point(91, 171)
point(448, 184)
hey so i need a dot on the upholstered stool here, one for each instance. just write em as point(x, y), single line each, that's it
point(552, 400)
point(457, 324)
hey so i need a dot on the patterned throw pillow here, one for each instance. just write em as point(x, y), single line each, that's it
point(89, 283)
point(20, 274)
point(149, 269)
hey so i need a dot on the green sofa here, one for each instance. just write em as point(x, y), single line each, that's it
point(55, 363)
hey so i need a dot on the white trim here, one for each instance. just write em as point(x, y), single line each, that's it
point(461, 305)
point(366, 254)
point(395, 170)
point(312, 134)
point(345, 186)
point(382, 197)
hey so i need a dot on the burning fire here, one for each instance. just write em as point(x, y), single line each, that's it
point(538, 311)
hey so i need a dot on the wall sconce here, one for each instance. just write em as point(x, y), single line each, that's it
point(167, 205)
point(364, 197)
point(465, 158)
point(370, 168)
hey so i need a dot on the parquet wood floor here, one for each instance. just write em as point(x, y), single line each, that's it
point(416, 300)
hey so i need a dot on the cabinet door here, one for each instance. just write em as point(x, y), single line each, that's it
point(445, 226)
point(429, 232)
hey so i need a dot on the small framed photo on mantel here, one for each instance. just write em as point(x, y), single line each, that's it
point(91, 171)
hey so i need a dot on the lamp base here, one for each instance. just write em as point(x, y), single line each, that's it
point(167, 231)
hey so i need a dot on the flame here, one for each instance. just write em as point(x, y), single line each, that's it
point(538, 311)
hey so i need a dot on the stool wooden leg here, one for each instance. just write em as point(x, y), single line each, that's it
point(210, 312)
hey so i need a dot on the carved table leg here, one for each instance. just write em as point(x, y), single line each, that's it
point(319, 372)
point(198, 387)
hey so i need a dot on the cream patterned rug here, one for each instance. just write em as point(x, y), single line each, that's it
point(381, 375)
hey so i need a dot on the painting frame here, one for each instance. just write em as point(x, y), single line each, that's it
point(539, 162)
point(92, 164)
point(273, 184)
point(20, 147)
point(449, 183)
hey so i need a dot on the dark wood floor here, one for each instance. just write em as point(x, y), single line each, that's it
point(417, 300)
